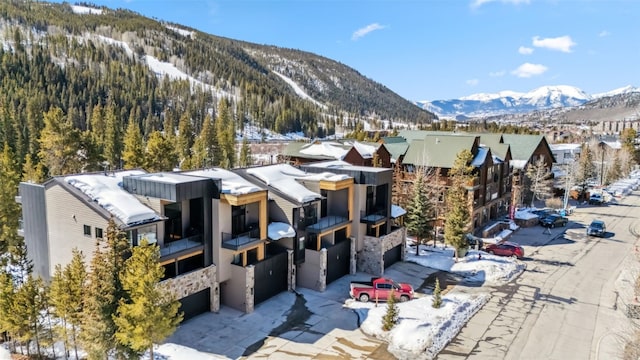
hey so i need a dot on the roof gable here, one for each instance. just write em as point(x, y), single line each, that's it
point(439, 151)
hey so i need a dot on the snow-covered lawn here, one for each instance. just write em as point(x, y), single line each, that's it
point(423, 331)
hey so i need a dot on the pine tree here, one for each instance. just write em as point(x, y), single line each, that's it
point(585, 171)
point(67, 292)
point(133, 153)
point(458, 216)
point(185, 141)
point(390, 318)
point(437, 295)
point(8, 320)
point(112, 137)
point(226, 136)
point(150, 314)
point(540, 180)
point(419, 219)
point(160, 153)
point(104, 291)
point(245, 154)
point(9, 208)
point(205, 145)
point(31, 172)
point(59, 144)
point(29, 305)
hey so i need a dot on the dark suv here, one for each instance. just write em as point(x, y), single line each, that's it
point(553, 220)
point(597, 228)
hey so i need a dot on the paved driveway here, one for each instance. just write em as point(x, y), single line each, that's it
point(303, 325)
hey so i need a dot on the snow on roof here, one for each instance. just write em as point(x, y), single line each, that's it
point(107, 191)
point(617, 145)
point(497, 160)
point(339, 164)
point(518, 164)
point(565, 146)
point(232, 183)
point(480, 157)
point(524, 215)
point(283, 177)
point(397, 211)
point(77, 9)
point(279, 230)
point(326, 148)
point(366, 151)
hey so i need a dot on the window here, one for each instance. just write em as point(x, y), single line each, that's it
point(87, 230)
point(98, 233)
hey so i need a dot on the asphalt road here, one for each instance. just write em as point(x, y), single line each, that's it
point(566, 304)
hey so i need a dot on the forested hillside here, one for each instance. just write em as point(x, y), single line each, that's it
point(74, 83)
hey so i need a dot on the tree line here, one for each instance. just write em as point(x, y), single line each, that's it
point(116, 309)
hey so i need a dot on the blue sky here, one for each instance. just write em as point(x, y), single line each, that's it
point(436, 49)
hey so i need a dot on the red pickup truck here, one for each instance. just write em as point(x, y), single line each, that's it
point(380, 288)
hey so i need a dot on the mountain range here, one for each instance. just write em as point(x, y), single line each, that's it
point(511, 102)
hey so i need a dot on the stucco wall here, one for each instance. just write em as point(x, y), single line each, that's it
point(311, 273)
point(194, 282)
point(237, 291)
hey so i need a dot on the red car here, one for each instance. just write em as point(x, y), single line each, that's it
point(506, 249)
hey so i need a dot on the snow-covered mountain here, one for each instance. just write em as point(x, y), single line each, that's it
point(511, 102)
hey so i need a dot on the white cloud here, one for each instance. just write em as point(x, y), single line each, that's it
point(528, 70)
point(478, 3)
point(366, 30)
point(473, 82)
point(525, 50)
point(497, 73)
point(561, 43)
point(604, 33)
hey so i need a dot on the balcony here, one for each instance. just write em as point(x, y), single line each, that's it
point(375, 217)
point(242, 240)
point(182, 246)
point(327, 223)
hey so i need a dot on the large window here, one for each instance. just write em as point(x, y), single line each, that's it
point(148, 232)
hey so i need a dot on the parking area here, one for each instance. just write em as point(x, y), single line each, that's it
point(306, 324)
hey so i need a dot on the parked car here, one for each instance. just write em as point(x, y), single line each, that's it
point(506, 248)
point(380, 288)
point(542, 213)
point(596, 199)
point(554, 220)
point(597, 228)
point(474, 241)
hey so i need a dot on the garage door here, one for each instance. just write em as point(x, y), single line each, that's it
point(392, 256)
point(195, 304)
point(338, 260)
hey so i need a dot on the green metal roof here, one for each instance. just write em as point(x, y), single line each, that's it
point(438, 151)
point(397, 149)
point(522, 146)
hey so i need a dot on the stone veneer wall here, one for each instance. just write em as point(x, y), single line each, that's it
point(291, 279)
point(354, 257)
point(250, 283)
point(194, 282)
point(371, 258)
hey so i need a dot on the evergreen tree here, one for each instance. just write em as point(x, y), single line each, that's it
point(134, 147)
point(33, 173)
point(8, 320)
point(59, 144)
point(458, 216)
point(112, 137)
point(585, 170)
point(419, 219)
point(160, 153)
point(390, 318)
point(226, 136)
point(150, 314)
point(205, 145)
point(540, 180)
point(67, 292)
point(185, 141)
point(104, 291)
point(245, 154)
point(9, 208)
point(29, 305)
point(437, 295)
